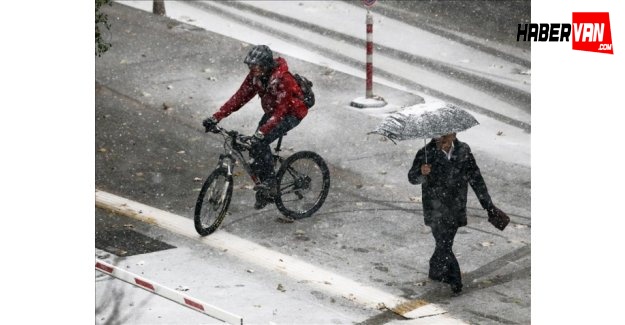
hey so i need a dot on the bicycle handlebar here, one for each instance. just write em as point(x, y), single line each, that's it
point(239, 141)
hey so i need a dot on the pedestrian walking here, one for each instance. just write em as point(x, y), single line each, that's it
point(282, 102)
point(444, 168)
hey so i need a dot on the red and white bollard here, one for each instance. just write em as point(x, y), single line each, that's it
point(370, 100)
point(369, 84)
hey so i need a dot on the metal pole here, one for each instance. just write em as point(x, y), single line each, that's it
point(425, 150)
point(369, 66)
point(158, 7)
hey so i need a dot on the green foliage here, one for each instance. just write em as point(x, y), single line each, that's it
point(101, 46)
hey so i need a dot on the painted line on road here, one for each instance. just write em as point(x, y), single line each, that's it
point(261, 256)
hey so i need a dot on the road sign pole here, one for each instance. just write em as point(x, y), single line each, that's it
point(369, 64)
point(370, 100)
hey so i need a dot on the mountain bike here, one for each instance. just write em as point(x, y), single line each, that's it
point(302, 183)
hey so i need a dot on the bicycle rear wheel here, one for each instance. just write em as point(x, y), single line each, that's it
point(213, 202)
point(303, 185)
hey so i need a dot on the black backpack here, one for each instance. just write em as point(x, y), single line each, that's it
point(306, 86)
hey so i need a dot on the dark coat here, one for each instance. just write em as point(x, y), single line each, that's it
point(445, 189)
point(279, 96)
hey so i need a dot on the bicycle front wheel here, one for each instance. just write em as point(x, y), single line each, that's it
point(213, 202)
point(303, 185)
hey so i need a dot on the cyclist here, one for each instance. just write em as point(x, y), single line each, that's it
point(281, 100)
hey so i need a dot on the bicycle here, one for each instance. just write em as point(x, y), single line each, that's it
point(302, 183)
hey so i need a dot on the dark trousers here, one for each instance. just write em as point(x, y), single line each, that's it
point(261, 153)
point(443, 264)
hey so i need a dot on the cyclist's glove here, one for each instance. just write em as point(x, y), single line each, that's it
point(257, 138)
point(210, 124)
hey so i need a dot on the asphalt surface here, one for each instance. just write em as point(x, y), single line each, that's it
point(162, 77)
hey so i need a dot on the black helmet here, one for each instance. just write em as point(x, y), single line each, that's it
point(260, 55)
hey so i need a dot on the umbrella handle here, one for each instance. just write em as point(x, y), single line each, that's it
point(425, 150)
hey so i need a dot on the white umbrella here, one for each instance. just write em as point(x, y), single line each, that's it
point(431, 120)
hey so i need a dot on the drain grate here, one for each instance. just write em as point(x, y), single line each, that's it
point(127, 242)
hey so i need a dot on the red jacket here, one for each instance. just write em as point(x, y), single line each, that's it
point(282, 97)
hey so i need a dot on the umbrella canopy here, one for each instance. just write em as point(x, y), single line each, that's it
point(426, 121)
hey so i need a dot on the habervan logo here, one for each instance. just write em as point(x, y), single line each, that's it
point(590, 31)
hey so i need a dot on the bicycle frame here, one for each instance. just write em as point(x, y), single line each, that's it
point(229, 160)
point(234, 153)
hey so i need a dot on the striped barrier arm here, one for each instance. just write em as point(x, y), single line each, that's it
point(170, 294)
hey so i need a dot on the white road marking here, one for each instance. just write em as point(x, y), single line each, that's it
point(248, 251)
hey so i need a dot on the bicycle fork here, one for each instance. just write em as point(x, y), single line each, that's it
point(226, 162)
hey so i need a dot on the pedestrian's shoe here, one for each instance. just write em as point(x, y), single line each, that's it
point(435, 275)
point(456, 289)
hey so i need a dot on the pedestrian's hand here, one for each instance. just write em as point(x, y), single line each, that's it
point(497, 218)
point(210, 124)
point(426, 169)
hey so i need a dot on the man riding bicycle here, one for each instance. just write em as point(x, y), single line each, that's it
point(281, 100)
